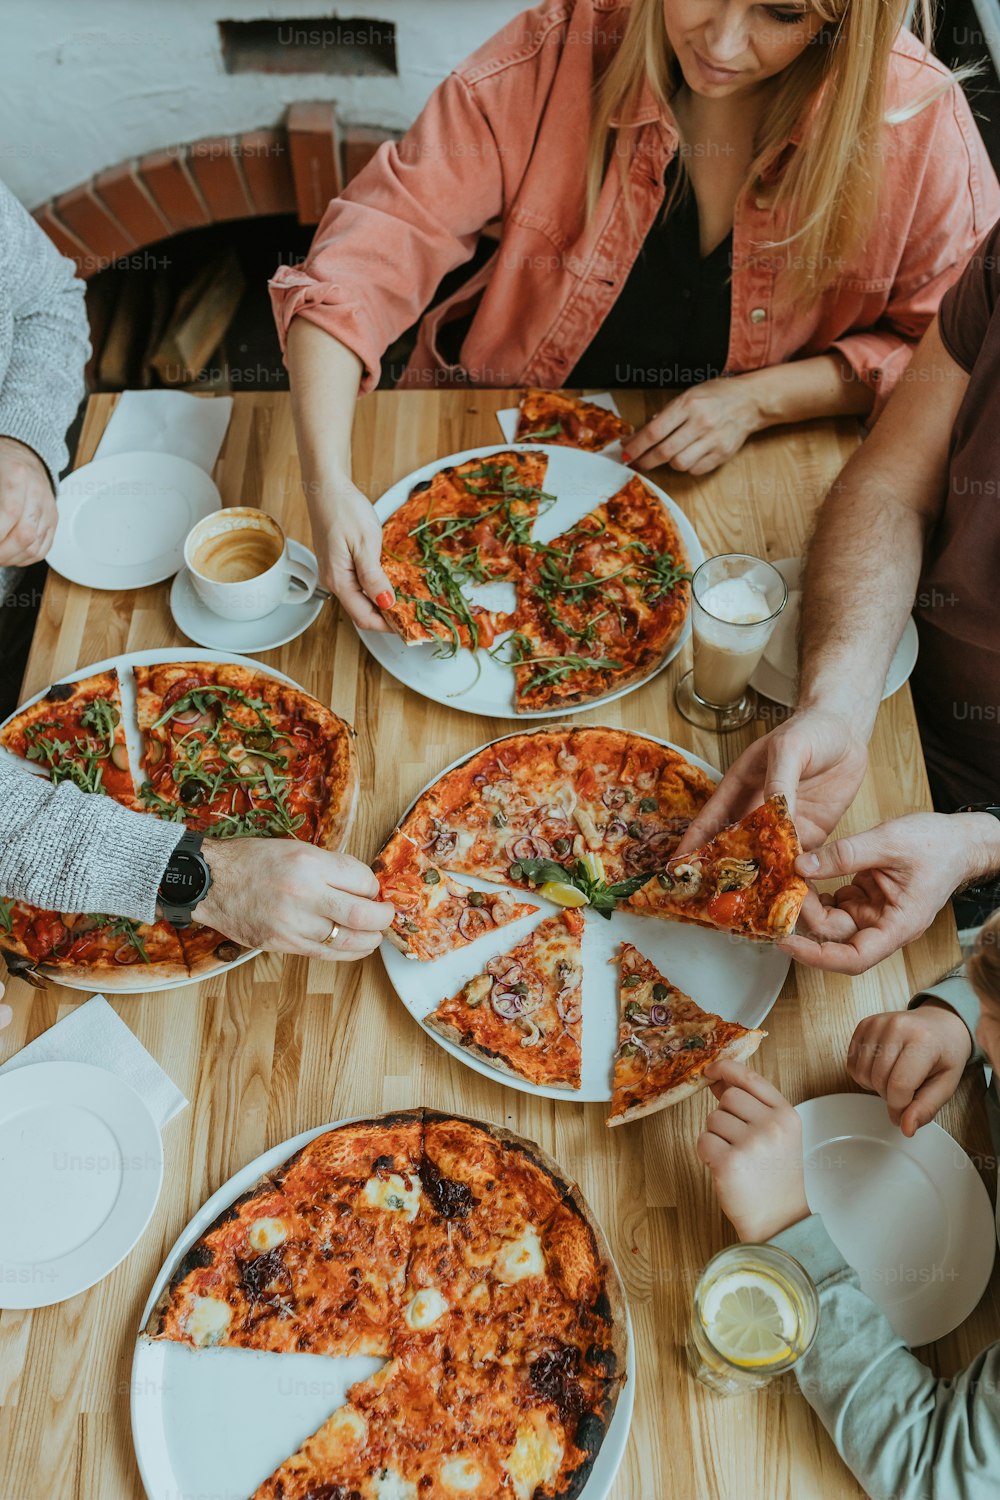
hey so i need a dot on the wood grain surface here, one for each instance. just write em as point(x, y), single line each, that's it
point(282, 1044)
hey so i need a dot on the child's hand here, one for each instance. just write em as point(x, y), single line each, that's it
point(752, 1145)
point(913, 1059)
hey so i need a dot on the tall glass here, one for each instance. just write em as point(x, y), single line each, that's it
point(725, 1352)
point(736, 601)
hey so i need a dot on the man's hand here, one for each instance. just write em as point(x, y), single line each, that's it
point(814, 758)
point(752, 1145)
point(913, 1059)
point(28, 513)
point(6, 1011)
point(698, 430)
point(348, 541)
point(901, 874)
point(286, 896)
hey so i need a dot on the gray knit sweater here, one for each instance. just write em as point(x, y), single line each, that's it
point(58, 848)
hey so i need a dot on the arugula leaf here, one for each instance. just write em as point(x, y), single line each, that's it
point(543, 432)
point(6, 919)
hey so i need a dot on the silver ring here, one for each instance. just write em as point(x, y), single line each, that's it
point(331, 936)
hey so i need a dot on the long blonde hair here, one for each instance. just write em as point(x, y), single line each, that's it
point(828, 192)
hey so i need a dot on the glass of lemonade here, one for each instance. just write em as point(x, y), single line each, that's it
point(755, 1315)
point(736, 601)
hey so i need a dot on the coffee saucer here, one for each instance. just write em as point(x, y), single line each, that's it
point(203, 627)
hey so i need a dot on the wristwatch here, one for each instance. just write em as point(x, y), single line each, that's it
point(990, 887)
point(186, 880)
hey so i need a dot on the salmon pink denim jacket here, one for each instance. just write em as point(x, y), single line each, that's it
point(503, 141)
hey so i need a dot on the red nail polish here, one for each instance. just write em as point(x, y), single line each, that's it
point(384, 599)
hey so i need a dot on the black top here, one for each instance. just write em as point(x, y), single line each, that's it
point(670, 323)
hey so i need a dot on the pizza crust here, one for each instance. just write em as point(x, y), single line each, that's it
point(738, 1050)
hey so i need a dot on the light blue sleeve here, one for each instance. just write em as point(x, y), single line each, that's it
point(904, 1433)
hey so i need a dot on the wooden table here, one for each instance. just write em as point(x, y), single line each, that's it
point(280, 1045)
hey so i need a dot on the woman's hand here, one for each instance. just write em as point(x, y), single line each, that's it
point(900, 876)
point(6, 1011)
point(913, 1059)
point(28, 512)
point(287, 896)
point(348, 541)
point(752, 1145)
point(700, 429)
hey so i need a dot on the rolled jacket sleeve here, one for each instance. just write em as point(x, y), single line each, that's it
point(411, 216)
point(905, 1433)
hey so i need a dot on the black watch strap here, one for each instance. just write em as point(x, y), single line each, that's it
point(186, 880)
point(990, 887)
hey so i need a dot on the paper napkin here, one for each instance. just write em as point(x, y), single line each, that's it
point(95, 1034)
point(191, 427)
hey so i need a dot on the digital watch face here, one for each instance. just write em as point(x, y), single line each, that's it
point(185, 880)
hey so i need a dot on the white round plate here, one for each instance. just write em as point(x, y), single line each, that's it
point(199, 624)
point(123, 519)
point(736, 979)
point(219, 1421)
point(133, 740)
point(911, 1216)
point(783, 689)
point(472, 681)
point(81, 1163)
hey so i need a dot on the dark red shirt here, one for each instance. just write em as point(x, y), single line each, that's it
point(956, 684)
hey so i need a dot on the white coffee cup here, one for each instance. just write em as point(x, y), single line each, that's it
point(243, 567)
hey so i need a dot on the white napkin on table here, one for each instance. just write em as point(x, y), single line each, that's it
point(95, 1034)
point(191, 427)
point(507, 418)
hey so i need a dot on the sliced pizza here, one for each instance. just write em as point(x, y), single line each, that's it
point(75, 733)
point(523, 1014)
point(665, 1041)
point(555, 417)
point(435, 914)
point(601, 606)
point(109, 952)
point(469, 524)
point(743, 881)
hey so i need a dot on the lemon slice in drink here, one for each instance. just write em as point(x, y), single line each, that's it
point(750, 1319)
point(562, 893)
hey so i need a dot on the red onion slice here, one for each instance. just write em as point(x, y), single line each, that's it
point(506, 1004)
point(528, 848)
point(659, 1015)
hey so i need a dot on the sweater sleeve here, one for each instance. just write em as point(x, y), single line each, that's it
point(905, 1433)
point(66, 851)
point(43, 383)
point(957, 993)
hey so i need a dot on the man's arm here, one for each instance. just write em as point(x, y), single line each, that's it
point(861, 579)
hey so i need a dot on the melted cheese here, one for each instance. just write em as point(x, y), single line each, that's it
point(207, 1321)
point(436, 895)
point(265, 1234)
point(348, 1427)
point(479, 1295)
point(464, 842)
point(535, 1457)
point(392, 1194)
point(424, 1308)
point(520, 1258)
point(392, 1486)
point(461, 1475)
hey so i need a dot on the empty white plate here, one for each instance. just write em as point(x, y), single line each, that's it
point(778, 681)
point(911, 1216)
point(81, 1163)
point(123, 519)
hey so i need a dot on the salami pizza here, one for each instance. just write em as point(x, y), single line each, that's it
point(665, 1041)
point(461, 1255)
point(524, 1013)
point(226, 750)
point(743, 881)
point(555, 417)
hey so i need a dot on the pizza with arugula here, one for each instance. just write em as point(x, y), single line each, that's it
point(555, 417)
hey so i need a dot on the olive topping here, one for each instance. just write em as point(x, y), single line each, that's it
point(431, 877)
point(647, 804)
point(562, 846)
point(660, 992)
point(193, 792)
point(476, 898)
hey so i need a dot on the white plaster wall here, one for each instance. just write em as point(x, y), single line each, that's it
point(86, 83)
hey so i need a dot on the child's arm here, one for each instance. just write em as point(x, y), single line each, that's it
point(905, 1434)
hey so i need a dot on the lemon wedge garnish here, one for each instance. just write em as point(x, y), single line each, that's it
point(594, 865)
point(562, 893)
point(750, 1319)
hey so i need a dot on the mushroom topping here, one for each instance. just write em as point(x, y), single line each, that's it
point(736, 874)
point(683, 880)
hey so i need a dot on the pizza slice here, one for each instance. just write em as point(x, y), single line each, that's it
point(555, 417)
point(469, 524)
point(601, 606)
point(435, 914)
point(109, 952)
point(523, 1013)
point(665, 1041)
point(743, 881)
point(75, 733)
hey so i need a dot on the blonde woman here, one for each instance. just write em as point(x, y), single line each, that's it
point(906, 1433)
point(761, 202)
